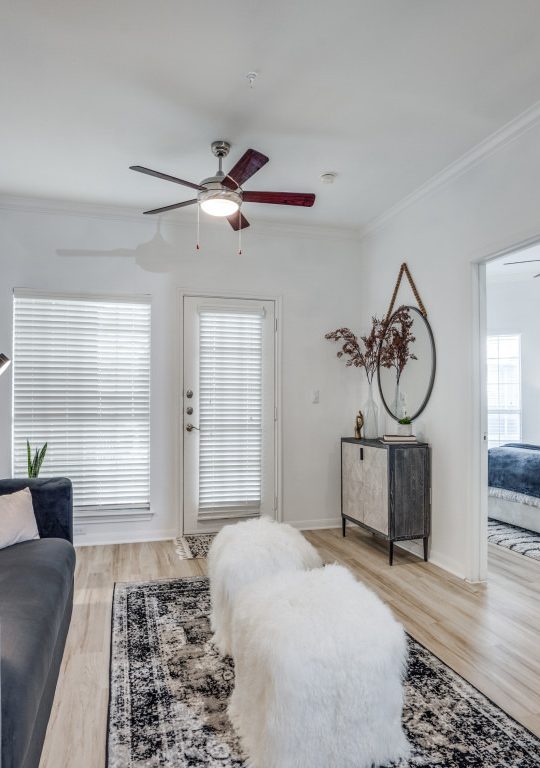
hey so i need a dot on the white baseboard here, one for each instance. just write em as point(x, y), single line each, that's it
point(447, 564)
point(102, 538)
point(416, 547)
point(314, 525)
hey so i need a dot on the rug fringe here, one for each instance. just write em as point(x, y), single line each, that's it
point(182, 549)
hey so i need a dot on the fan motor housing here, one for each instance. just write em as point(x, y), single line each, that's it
point(220, 148)
point(215, 189)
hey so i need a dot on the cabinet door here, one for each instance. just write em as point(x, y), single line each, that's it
point(375, 488)
point(409, 483)
point(352, 481)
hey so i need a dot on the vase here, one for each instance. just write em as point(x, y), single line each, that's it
point(404, 430)
point(371, 416)
point(399, 406)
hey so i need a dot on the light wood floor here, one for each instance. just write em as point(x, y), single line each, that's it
point(489, 634)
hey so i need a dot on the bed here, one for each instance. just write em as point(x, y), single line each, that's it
point(514, 485)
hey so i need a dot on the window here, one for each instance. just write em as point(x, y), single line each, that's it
point(81, 380)
point(230, 380)
point(504, 389)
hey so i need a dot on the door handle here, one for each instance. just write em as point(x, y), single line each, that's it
point(191, 427)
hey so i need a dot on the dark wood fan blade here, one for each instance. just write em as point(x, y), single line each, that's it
point(172, 207)
point(279, 198)
point(250, 162)
point(164, 176)
point(238, 221)
point(525, 261)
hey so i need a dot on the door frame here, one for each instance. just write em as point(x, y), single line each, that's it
point(179, 389)
point(478, 552)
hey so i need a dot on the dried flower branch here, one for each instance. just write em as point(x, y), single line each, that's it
point(396, 339)
point(361, 355)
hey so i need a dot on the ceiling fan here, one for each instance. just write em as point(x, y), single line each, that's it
point(222, 194)
point(525, 261)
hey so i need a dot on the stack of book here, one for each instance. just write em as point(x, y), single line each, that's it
point(388, 439)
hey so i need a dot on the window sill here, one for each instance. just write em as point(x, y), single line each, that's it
point(111, 515)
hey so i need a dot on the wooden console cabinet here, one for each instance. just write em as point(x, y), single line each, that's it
point(387, 489)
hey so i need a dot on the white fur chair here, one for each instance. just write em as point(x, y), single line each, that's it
point(244, 553)
point(319, 661)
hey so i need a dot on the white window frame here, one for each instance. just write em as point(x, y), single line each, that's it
point(93, 513)
point(278, 427)
point(506, 411)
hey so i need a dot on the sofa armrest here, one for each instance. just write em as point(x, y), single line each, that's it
point(53, 504)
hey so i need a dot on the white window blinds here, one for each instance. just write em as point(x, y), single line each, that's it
point(81, 375)
point(230, 416)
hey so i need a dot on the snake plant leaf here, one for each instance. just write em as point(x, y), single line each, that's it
point(34, 464)
point(40, 459)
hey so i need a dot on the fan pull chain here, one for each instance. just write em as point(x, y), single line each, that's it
point(198, 247)
point(239, 233)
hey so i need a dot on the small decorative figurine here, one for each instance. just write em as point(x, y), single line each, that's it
point(358, 426)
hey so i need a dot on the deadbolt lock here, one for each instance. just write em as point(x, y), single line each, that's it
point(189, 394)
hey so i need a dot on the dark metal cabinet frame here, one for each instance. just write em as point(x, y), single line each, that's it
point(409, 492)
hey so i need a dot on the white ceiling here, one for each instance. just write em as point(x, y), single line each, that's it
point(384, 92)
point(517, 266)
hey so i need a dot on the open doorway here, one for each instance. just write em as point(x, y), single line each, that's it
point(513, 401)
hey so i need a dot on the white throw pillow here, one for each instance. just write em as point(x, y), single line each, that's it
point(17, 519)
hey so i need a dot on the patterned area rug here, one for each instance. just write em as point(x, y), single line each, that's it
point(169, 694)
point(194, 545)
point(517, 539)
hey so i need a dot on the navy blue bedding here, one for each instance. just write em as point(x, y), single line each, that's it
point(515, 467)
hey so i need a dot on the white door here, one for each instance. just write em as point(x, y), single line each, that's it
point(229, 411)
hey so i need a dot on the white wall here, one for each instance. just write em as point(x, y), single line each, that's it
point(512, 307)
point(488, 206)
point(325, 282)
point(317, 275)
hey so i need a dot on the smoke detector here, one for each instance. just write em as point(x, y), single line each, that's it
point(252, 76)
point(328, 178)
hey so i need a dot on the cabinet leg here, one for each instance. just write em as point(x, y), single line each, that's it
point(343, 525)
point(426, 539)
point(391, 552)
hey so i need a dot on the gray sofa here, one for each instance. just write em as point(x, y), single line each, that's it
point(36, 600)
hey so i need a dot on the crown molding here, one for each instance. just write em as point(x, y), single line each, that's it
point(305, 231)
point(481, 151)
point(494, 143)
point(54, 207)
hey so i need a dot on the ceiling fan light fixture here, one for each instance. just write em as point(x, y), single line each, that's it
point(220, 202)
point(218, 207)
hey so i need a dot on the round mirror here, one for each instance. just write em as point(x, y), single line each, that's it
point(406, 364)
